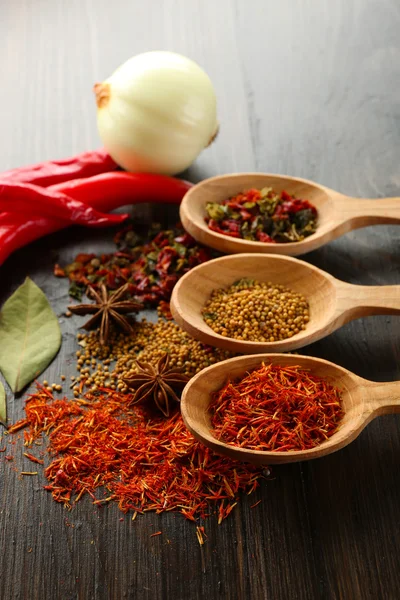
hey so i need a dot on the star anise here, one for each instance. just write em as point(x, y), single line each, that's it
point(157, 381)
point(107, 307)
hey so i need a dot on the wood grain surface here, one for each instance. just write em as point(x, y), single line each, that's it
point(308, 88)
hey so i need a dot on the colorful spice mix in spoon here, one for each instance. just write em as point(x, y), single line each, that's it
point(263, 216)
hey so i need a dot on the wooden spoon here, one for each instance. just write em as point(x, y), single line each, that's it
point(363, 400)
point(337, 213)
point(332, 302)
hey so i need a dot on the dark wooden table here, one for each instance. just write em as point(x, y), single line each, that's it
point(305, 88)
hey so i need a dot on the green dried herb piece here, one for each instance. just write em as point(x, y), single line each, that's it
point(304, 219)
point(245, 281)
point(211, 316)
point(30, 335)
point(215, 211)
point(180, 248)
point(76, 291)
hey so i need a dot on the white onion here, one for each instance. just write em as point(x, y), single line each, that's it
point(156, 113)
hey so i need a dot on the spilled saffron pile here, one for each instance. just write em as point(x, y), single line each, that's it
point(276, 408)
point(100, 446)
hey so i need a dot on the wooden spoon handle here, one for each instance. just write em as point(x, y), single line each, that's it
point(355, 301)
point(383, 398)
point(361, 212)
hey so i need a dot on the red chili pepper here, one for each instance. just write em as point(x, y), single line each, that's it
point(111, 190)
point(33, 201)
point(51, 172)
point(104, 192)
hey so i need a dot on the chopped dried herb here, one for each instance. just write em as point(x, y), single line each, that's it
point(263, 216)
point(142, 461)
point(151, 268)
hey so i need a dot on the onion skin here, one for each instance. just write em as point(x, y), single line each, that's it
point(156, 113)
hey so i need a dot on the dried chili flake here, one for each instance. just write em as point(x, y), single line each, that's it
point(142, 461)
point(263, 216)
point(277, 409)
point(151, 267)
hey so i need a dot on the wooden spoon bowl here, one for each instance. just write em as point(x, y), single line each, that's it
point(363, 400)
point(337, 213)
point(332, 302)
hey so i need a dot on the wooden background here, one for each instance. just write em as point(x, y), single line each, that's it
point(309, 88)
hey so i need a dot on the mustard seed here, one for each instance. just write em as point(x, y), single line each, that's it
point(263, 311)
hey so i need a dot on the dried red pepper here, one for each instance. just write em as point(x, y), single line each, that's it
point(104, 193)
point(51, 172)
point(34, 202)
point(111, 190)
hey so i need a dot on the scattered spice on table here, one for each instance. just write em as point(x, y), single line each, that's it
point(33, 458)
point(276, 408)
point(256, 311)
point(263, 216)
point(201, 535)
point(102, 446)
point(151, 267)
point(111, 364)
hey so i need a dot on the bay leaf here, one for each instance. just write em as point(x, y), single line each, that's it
point(30, 335)
point(3, 404)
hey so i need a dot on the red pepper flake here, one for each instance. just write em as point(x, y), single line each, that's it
point(256, 504)
point(58, 271)
point(151, 268)
point(156, 533)
point(277, 409)
point(142, 461)
point(263, 216)
point(9, 457)
point(164, 310)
